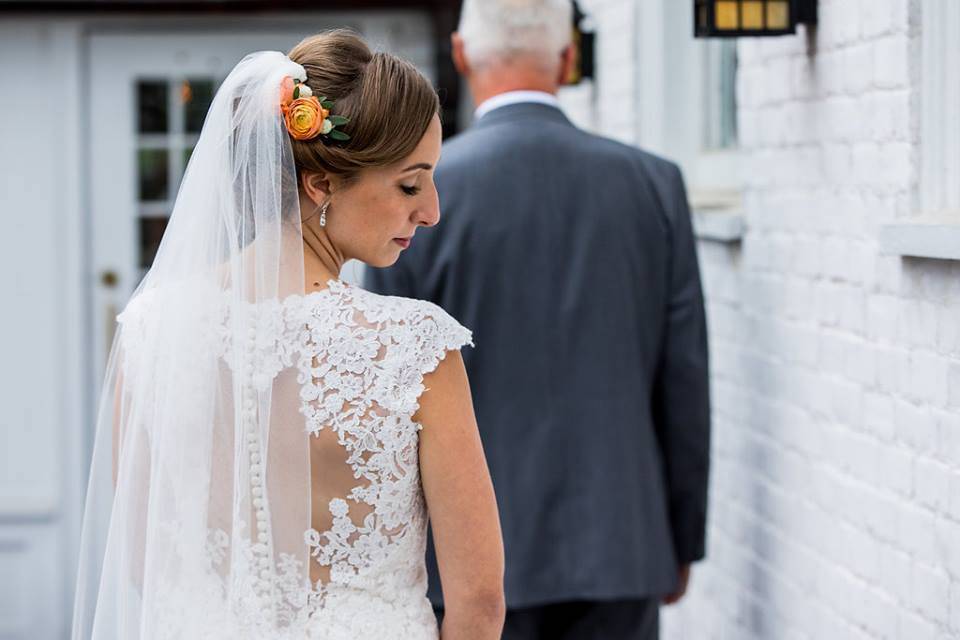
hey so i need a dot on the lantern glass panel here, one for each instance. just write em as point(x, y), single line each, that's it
point(778, 14)
point(752, 14)
point(703, 16)
point(727, 15)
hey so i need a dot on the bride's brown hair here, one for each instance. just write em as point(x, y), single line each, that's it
point(389, 103)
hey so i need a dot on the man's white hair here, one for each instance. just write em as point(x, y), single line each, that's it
point(504, 29)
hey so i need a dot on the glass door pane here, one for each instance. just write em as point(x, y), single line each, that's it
point(170, 112)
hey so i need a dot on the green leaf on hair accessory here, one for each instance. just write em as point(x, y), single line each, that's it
point(338, 120)
point(322, 100)
point(326, 104)
point(296, 92)
point(339, 135)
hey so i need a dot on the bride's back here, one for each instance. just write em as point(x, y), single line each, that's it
point(359, 364)
point(337, 478)
point(267, 466)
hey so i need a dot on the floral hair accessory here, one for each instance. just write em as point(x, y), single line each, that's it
point(307, 116)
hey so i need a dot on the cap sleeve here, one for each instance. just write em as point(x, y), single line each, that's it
point(134, 330)
point(437, 333)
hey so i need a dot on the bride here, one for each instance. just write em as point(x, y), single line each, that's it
point(271, 439)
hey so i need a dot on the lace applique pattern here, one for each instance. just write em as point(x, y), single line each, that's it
point(361, 364)
point(359, 360)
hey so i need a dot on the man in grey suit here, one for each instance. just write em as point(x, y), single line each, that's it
point(572, 259)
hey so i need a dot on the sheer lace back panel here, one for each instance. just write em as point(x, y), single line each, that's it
point(361, 363)
point(349, 366)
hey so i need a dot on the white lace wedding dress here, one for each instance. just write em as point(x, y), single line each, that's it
point(356, 361)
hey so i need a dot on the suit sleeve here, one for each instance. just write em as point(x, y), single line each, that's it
point(681, 392)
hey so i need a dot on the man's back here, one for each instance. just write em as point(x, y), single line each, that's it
point(570, 257)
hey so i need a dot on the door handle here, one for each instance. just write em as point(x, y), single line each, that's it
point(109, 278)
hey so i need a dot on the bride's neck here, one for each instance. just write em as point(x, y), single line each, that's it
point(321, 261)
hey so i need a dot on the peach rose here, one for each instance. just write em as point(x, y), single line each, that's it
point(286, 92)
point(305, 117)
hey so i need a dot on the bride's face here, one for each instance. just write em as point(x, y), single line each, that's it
point(375, 217)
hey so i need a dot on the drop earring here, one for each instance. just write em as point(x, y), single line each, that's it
point(323, 213)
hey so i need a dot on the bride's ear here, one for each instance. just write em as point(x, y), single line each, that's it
point(316, 185)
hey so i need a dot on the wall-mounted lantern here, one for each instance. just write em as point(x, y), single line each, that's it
point(745, 18)
point(583, 43)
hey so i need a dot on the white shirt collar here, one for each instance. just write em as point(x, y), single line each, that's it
point(514, 97)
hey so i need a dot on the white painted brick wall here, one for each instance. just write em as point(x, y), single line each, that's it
point(835, 497)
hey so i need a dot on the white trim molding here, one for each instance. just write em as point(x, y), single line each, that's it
point(940, 104)
point(922, 238)
point(718, 215)
point(935, 231)
point(727, 226)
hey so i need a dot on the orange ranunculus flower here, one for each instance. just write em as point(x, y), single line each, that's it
point(304, 117)
point(286, 92)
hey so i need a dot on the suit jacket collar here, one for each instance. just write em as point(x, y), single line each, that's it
point(521, 111)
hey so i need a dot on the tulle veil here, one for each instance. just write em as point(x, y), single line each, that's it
point(198, 498)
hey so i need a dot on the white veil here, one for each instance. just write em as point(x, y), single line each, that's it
point(199, 487)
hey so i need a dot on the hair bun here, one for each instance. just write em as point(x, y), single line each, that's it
point(386, 103)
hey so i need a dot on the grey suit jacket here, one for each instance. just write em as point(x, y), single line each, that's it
point(572, 258)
